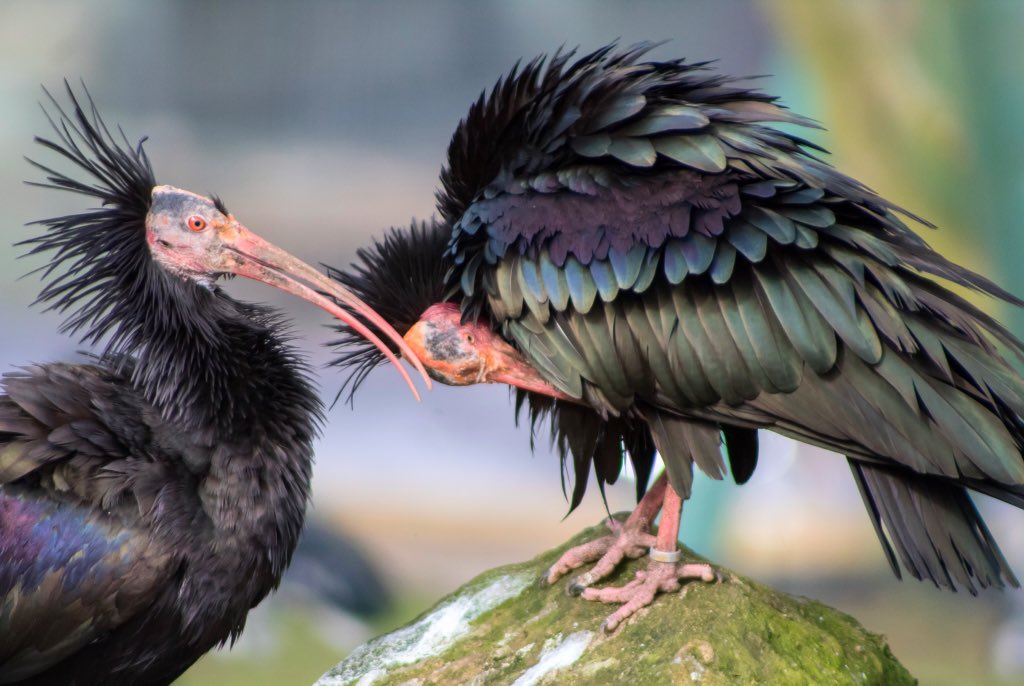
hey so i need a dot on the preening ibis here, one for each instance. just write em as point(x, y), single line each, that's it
point(150, 498)
point(639, 243)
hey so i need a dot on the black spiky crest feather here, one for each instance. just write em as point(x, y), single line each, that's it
point(399, 276)
point(101, 250)
point(194, 352)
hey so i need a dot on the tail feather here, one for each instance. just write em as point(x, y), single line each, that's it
point(932, 527)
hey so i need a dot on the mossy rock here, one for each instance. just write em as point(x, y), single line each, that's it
point(504, 627)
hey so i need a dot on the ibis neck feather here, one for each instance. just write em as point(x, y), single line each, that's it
point(212, 364)
point(223, 371)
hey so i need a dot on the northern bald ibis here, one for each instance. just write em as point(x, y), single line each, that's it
point(151, 497)
point(639, 249)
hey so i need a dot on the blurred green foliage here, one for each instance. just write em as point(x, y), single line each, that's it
point(299, 656)
point(923, 100)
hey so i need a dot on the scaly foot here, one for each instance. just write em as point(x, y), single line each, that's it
point(659, 577)
point(631, 540)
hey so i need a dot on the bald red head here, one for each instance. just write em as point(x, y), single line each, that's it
point(461, 354)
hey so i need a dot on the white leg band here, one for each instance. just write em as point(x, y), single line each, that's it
point(663, 556)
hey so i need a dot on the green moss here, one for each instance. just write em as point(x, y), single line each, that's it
point(734, 632)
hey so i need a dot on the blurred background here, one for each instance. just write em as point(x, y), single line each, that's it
point(321, 123)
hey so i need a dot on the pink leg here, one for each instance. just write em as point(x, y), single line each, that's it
point(629, 539)
point(671, 513)
point(660, 577)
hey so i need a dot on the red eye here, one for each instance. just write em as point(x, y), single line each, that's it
point(196, 223)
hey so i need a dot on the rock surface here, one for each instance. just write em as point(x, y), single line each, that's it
point(504, 627)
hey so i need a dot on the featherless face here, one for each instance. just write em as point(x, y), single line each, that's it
point(187, 234)
point(195, 238)
point(458, 353)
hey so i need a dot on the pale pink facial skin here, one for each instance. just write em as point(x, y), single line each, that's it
point(190, 237)
point(460, 354)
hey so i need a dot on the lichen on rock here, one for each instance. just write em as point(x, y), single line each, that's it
point(427, 637)
point(503, 628)
point(562, 653)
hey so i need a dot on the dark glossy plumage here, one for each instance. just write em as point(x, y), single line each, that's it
point(647, 238)
point(148, 500)
point(779, 292)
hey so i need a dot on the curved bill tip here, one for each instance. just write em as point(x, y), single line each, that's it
point(261, 260)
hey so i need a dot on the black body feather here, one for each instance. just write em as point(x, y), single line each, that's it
point(148, 500)
point(656, 247)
